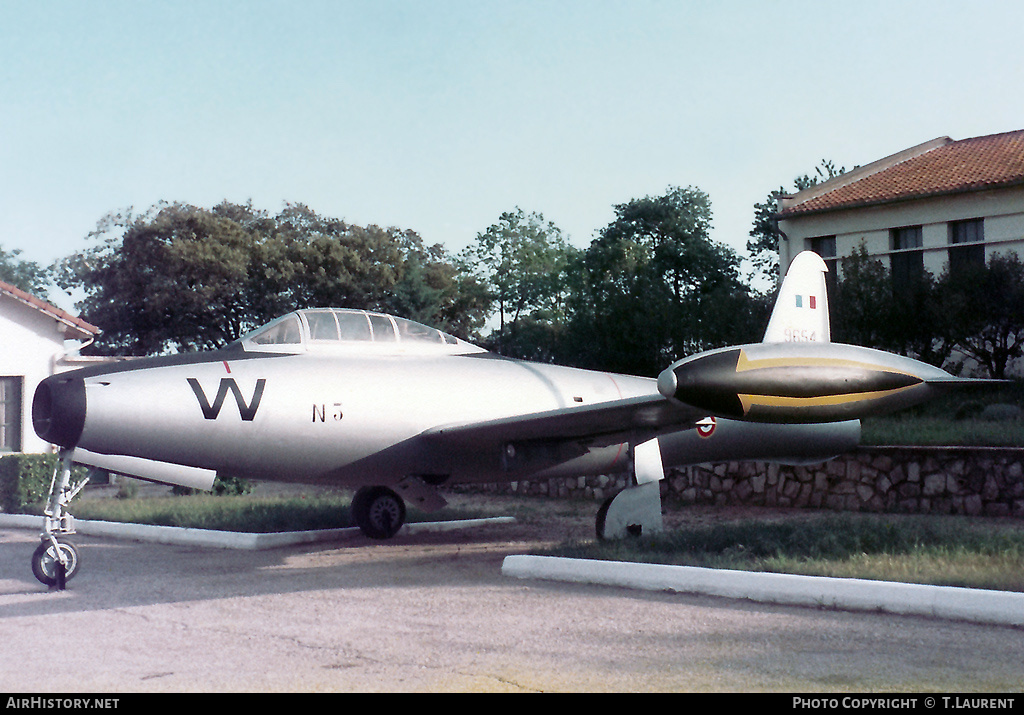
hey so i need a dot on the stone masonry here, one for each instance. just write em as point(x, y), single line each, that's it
point(922, 480)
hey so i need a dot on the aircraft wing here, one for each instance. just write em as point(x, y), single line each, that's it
point(599, 424)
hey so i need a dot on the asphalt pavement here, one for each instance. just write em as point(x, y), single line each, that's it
point(434, 612)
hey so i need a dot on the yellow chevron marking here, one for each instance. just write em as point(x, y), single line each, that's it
point(744, 363)
point(749, 401)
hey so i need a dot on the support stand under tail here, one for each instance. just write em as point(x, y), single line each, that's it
point(636, 510)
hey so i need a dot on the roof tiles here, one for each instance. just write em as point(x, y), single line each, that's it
point(949, 167)
point(87, 329)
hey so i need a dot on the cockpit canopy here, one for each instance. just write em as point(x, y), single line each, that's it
point(344, 329)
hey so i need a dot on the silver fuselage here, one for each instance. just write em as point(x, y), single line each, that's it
point(349, 418)
point(357, 419)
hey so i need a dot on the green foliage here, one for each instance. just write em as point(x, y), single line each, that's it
point(763, 245)
point(231, 486)
point(863, 301)
point(245, 513)
point(870, 309)
point(900, 430)
point(222, 486)
point(977, 310)
point(180, 277)
point(25, 481)
point(521, 261)
point(984, 309)
point(127, 487)
point(988, 416)
point(27, 275)
point(940, 550)
point(653, 287)
point(433, 288)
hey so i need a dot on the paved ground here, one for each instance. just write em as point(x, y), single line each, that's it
point(434, 613)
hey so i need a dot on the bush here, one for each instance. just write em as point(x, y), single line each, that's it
point(231, 486)
point(222, 486)
point(25, 480)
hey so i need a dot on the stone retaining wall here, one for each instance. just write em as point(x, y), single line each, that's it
point(925, 480)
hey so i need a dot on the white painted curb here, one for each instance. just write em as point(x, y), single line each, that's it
point(229, 539)
point(962, 604)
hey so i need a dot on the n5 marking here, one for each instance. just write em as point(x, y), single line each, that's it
point(320, 412)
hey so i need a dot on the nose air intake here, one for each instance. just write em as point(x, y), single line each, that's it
point(58, 410)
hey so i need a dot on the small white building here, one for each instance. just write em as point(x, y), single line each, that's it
point(941, 203)
point(33, 347)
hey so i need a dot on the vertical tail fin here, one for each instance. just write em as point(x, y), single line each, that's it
point(801, 310)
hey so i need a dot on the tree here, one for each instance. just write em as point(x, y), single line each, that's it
point(169, 279)
point(862, 309)
point(182, 277)
point(763, 245)
point(521, 261)
point(984, 306)
point(653, 287)
point(432, 288)
point(27, 275)
point(871, 309)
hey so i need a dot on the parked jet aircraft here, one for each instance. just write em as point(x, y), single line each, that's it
point(396, 409)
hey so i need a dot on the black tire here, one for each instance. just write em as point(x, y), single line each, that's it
point(602, 515)
point(378, 511)
point(45, 562)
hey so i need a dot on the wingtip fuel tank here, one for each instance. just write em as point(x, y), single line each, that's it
point(800, 382)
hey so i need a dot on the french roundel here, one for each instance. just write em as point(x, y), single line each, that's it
point(706, 427)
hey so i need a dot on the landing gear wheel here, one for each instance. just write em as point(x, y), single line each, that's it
point(602, 516)
point(378, 511)
point(46, 563)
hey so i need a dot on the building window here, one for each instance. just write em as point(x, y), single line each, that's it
point(825, 246)
point(907, 257)
point(10, 414)
point(967, 244)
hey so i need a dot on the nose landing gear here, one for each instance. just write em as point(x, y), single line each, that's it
point(56, 560)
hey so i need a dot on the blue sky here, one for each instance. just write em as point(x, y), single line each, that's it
point(438, 115)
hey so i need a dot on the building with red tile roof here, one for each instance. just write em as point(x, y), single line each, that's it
point(931, 206)
point(32, 347)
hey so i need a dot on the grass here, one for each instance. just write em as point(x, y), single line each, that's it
point(245, 513)
point(941, 432)
point(954, 420)
point(947, 551)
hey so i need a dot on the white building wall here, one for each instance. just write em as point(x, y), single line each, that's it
point(1002, 210)
point(1000, 230)
point(30, 342)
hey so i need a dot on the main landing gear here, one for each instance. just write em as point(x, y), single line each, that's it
point(378, 511)
point(56, 560)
